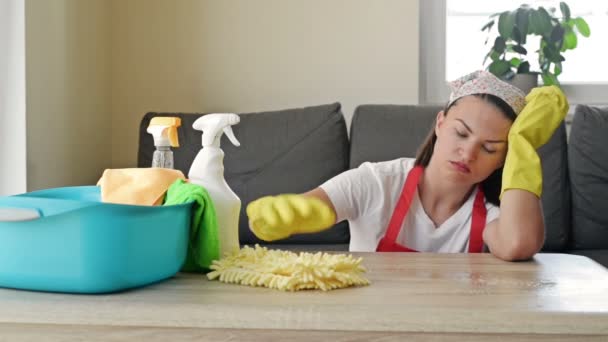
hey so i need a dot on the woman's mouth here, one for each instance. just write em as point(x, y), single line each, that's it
point(461, 167)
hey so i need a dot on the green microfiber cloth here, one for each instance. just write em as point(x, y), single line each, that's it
point(204, 246)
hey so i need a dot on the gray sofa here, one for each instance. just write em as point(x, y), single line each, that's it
point(295, 150)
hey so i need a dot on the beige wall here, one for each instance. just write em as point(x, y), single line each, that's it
point(95, 67)
point(245, 55)
point(68, 99)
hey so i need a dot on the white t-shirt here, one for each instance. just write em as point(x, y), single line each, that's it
point(367, 196)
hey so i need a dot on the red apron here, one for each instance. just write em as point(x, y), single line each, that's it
point(388, 242)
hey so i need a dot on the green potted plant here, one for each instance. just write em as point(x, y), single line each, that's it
point(508, 56)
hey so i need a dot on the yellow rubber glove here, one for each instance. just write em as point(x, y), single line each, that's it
point(545, 109)
point(277, 217)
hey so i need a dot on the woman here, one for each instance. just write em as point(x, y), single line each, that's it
point(475, 183)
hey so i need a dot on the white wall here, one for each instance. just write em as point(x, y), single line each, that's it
point(68, 91)
point(12, 97)
point(245, 56)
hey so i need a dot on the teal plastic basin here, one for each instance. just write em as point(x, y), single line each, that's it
point(81, 245)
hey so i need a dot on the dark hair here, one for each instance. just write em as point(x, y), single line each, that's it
point(491, 185)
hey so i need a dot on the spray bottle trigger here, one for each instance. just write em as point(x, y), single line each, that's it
point(230, 134)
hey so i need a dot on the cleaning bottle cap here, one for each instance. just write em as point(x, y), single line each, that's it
point(164, 130)
point(216, 124)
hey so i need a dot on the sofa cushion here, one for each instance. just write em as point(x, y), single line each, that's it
point(385, 132)
point(588, 167)
point(286, 151)
point(556, 191)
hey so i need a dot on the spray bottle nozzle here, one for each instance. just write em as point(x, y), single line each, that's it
point(164, 130)
point(214, 125)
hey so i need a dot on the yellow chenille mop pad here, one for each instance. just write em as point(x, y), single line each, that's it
point(288, 271)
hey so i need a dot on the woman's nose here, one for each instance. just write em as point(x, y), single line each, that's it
point(469, 151)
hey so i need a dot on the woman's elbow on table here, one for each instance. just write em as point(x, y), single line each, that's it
point(514, 246)
point(516, 252)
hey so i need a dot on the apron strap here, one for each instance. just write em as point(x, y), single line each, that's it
point(403, 205)
point(478, 223)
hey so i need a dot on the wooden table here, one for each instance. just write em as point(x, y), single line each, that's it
point(455, 297)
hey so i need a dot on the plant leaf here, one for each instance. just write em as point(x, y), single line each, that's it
point(524, 68)
point(534, 22)
point(515, 62)
point(488, 26)
point(492, 55)
point(557, 34)
point(557, 69)
point(544, 22)
point(499, 45)
point(499, 68)
point(565, 10)
point(570, 23)
point(506, 22)
point(582, 27)
point(550, 53)
point(520, 49)
point(516, 35)
point(570, 40)
point(521, 22)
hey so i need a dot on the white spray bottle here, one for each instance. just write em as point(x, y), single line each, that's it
point(207, 170)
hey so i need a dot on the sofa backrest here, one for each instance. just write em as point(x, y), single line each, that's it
point(588, 166)
point(287, 151)
point(295, 150)
point(385, 132)
point(556, 197)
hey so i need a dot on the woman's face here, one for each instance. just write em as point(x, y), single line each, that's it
point(471, 140)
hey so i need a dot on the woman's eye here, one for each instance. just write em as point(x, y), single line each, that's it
point(461, 134)
point(488, 150)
